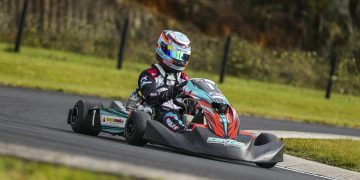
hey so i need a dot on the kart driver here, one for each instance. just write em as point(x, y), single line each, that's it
point(158, 85)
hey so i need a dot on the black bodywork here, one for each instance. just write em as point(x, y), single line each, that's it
point(195, 141)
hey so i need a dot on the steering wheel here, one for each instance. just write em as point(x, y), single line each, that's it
point(186, 103)
point(190, 104)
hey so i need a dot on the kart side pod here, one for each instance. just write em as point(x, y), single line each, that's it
point(91, 118)
point(202, 141)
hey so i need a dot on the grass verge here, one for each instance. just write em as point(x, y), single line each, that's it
point(344, 153)
point(75, 73)
point(19, 169)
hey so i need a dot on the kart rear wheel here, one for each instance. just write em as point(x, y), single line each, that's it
point(80, 119)
point(135, 128)
point(263, 139)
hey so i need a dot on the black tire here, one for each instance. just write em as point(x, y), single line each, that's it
point(135, 128)
point(80, 119)
point(266, 165)
point(263, 139)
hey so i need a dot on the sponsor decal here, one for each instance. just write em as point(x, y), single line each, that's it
point(112, 121)
point(218, 97)
point(216, 94)
point(144, 81)
point(171, 124)
point(225, 142)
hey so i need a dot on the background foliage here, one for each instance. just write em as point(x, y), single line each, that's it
point(279, 41)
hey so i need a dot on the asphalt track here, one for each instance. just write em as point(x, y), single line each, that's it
point(38, 119)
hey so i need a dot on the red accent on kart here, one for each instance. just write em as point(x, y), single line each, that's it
point(234, 124)
point(214, 120)
point(247, 133)
point(217, 126)
point(199, 126)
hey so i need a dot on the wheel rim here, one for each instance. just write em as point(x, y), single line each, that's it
point(74, 115)
point(130, 128)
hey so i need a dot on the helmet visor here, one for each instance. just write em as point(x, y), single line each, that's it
point(180, 57)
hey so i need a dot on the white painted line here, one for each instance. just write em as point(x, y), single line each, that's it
point(303, 172)
point(304, 135)
point(90, 163)
point(316, 169)
point(310, 167)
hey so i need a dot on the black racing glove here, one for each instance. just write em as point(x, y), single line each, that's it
point(169, 94)
point(172, 92)
point(177, 89)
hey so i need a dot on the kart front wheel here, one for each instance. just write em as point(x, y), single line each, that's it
point(135, 128)
point(80, 119)
point(263, 139)
point(266, 165)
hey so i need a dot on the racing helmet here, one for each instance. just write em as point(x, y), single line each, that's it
point(173, 50)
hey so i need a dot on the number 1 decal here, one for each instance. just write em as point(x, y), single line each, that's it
point(210, 86)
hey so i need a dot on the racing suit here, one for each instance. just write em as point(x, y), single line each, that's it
point(157, 87)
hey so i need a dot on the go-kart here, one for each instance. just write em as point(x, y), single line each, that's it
point(213, 126)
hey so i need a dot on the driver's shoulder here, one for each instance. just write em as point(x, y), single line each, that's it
point(152, 72)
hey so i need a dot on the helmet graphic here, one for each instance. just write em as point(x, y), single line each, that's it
point(173, 50)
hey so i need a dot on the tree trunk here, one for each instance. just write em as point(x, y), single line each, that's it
point(354, 9)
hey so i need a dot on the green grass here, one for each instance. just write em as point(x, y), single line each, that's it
point(19, 169)
point(75, 73)
point(343, 153)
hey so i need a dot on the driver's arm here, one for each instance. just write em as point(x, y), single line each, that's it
point(147, 86)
